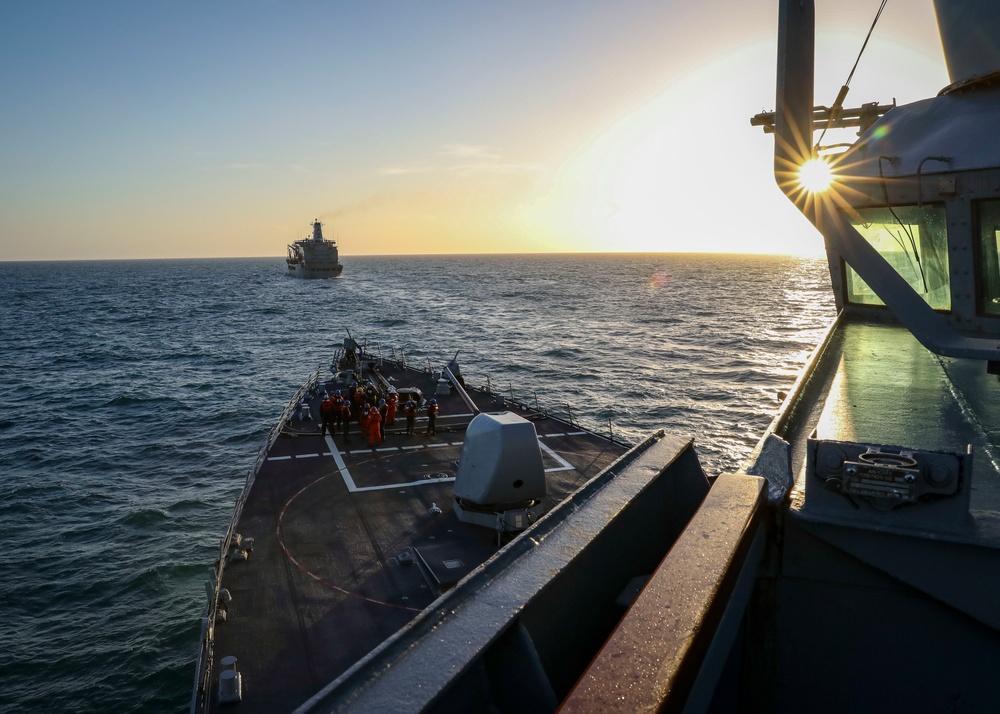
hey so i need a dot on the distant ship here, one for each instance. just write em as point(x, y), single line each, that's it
point(314, 257)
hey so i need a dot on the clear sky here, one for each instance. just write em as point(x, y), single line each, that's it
point(175, 128)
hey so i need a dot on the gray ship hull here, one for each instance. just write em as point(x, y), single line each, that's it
point(315, 257)
point(309, 272)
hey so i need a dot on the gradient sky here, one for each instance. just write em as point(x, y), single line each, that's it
point(176, 128)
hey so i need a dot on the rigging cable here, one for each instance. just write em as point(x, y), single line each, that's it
point(842, 95)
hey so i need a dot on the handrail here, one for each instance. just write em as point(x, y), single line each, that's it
point(585, 422)
point(203, 667)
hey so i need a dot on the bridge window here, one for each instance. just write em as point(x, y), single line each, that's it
point(914, 241)
point(988, 215)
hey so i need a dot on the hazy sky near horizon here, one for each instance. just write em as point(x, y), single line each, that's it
point(169, 129)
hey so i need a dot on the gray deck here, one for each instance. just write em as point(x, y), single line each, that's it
point(347, 549)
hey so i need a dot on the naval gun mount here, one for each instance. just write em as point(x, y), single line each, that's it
point(500, 482)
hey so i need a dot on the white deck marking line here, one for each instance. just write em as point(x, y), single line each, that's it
point(550, 435)
point(306, 456)
point(422, 482)
point(457, 443)
point(389, 448)
point(354, 488)
point(279, 458)
point(447, 416)
point(359, 451)
point(434, 446)
point(339, 460)
point(565, 464)
point(576, 433)
point(418, 446)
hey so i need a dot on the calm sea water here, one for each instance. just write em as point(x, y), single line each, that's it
point(136, 394)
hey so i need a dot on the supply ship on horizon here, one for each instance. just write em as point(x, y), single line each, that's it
point(852, 564)
point(314, 257)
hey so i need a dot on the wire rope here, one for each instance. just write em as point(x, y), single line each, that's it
point(842, 95)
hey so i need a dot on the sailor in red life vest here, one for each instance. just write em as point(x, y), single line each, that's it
point(345, 418)
point(410, 410)
point(432, 410)
point(390, 414)
point(364, 418)
point(327, 414)
point(338, 401)
point(374, 428)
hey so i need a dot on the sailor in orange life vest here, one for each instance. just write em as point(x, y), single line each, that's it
point(364, 418)
point(410, 410)
point(391, 411)
point(374, 428)
point(432, 410)
point(327, 413)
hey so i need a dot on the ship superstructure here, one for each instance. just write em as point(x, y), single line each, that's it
point(314, 257)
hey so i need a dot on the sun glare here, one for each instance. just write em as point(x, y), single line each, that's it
point(815, 175)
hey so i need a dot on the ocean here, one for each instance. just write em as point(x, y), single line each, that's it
point(136, 394)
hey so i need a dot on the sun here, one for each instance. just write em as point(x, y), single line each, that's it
point(815, 175)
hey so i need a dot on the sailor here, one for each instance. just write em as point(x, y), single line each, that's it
point(337, 401)
point(432, 410)
point(364, 418)
point(410, 410)
point(345, 418)
point(357, 399)
point(327, 414)
point(391, 411)
point(383, 413)
point(374, 428)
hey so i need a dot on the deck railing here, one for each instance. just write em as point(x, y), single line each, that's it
point(565, 414)
point(203, 667)
point(510, 397)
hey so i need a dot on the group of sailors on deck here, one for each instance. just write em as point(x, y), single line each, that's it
point(371, 410)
